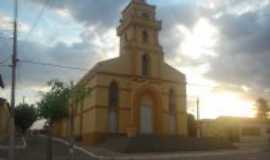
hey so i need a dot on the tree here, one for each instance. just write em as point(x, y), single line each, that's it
point(54, 106)
point(262, 108)
point(192, 126)
point(54, 103)
point(25, 116)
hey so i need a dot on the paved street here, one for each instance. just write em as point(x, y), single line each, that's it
point(36, 150)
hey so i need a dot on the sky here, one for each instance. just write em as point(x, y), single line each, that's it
point(221, 45)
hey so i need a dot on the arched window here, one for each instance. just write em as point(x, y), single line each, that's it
point(145, 65)
point(172, 103)
point(145, 36)
point(113, 96)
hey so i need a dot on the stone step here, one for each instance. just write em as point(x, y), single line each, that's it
point(152, 143)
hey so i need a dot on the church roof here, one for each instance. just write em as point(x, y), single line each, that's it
point(94, 70)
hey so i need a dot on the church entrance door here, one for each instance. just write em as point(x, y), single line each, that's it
point(173, 124)
point(112, 122)
point(146, 119)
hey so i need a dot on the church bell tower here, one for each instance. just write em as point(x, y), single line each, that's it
point(139, 38)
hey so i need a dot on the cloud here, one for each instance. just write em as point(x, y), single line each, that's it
point(5, 22)
point(244, 49)
point(96, 43)
point(103, 13)
point(6, 25)
point(241, 46)
point(233, 7)
point(82, 54)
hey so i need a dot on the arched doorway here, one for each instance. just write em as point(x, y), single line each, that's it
point(113, 107)
point(146, 115)
point(147, 111)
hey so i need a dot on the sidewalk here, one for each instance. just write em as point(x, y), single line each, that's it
point(167, 156)
point(103, 154)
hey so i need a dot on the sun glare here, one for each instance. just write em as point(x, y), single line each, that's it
point(226, 104)
point(200, 40)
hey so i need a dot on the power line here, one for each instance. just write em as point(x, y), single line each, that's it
point(3, 65)
point(1, 37)
point(46, 5)
point(85, 69)
point(53, 65)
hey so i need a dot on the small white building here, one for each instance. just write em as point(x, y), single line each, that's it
point(38, 126)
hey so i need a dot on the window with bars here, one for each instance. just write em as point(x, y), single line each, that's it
point(113, 96)
point(172, 102)
point(145, 65)
point(145, 36)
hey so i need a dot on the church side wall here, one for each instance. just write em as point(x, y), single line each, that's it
point(84, 116)
point(95, 114)
point(181, 114)
point(124, 102)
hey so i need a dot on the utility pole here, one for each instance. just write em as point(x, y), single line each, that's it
point(198, 118)
point(49, 155)
point(71, 126)
point(11, 153)
point(71, 143)
point(23, 100)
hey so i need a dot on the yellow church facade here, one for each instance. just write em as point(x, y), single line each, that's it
point(135, 93)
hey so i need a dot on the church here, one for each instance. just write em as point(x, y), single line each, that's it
point(135, 93)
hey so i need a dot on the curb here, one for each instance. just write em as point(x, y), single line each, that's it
point(157, 156)
point(93, 155)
